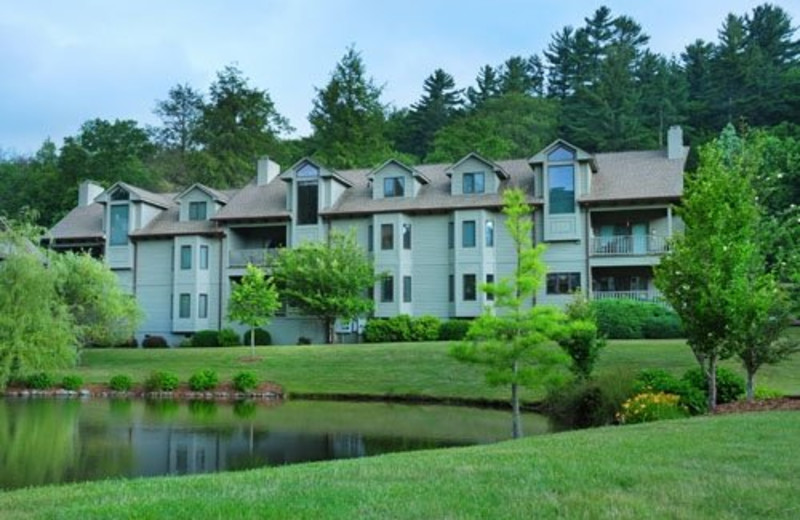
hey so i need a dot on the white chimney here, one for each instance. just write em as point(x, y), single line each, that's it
point(267, 171)
point(675, 142)
point(87, 192)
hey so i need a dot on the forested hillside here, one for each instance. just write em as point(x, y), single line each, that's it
point(597, 85)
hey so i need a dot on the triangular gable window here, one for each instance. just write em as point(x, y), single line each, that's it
point(120, 194)
point(561, 153)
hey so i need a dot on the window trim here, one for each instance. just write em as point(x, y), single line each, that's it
point(472, 285)
point(117, 236)
point(202, 306)
point(391, 185)
point(203, 260)
point(195, 214)
point(473, 185)
point(407, 294)
point(186, 259)
point(304, 215)
point(558, 210)
point(387, 239)
point(554, 280)
point(465, 224)
point(185, 297)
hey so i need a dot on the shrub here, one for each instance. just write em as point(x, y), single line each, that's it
point(245, 381)
point(203, 380)
point(229, 338)
point(263, 337)
point(40, 381)
point(661, 381)
point(581, 339)
point(425, 328)
point(161, 382)
point(120, 383)
point(304, 340)
point(649, 406)
point(453, 330)
point(763, 392)
point(154, 342)
point(205, 338)
point(587, 403)
point(72, 382)
point(730, 385)
point(384, 330)
point(631, 319)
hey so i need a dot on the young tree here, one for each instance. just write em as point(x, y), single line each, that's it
point(253, 301)
point(513, 344)
point(102, 313)
point(36, 331)
point(581, 340)
point(327, 280)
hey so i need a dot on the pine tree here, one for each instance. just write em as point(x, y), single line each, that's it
point(440, 102)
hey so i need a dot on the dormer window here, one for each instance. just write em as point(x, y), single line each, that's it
point(120, 194)
point(394, 187)
point(307, 194)
point(119, 214)
point(197, 210)
point(561, 154)
point(561, 181)
point(474, 182)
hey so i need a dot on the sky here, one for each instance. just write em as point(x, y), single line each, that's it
point(63, 63)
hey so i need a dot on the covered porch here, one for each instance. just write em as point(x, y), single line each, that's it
point(624, 283)
point(634, 232)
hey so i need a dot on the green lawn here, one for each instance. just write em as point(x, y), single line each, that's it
point(724, 467)
point(413, 369)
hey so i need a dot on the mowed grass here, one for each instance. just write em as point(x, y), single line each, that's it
point(394, 369)
point(724, 467)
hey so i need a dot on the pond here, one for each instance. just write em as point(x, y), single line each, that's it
point(51, 441)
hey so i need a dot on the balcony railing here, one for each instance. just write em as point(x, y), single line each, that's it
point(241, 257)
point(644, 296)
point(629, 245)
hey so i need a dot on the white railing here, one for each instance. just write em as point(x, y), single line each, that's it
point(644, 296)
point(241, 257)
point(629, 245)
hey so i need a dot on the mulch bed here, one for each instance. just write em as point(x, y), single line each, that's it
point(780, 403)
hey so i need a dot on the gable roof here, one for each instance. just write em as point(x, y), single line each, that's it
point(324, 173)
point(580, 155)
point(162, 200)
point(636, 176)
point(498, 170)
point(215, 195)
point(83, 222)
point(410, 169)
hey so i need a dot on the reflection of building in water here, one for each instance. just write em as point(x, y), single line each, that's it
point(177, 450)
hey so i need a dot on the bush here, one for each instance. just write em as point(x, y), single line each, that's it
point(72, 382)
point(730, 385)
point(205, 338)
point(40, 381)
point(154, 342)
point(203, 380)
point(763, 392)
point(425, 328)
point(263, 337)
point(661, 381)
point(454, 330)
point(229, 338)
point(120, 383)
point(587, 403)
point(631, 319)
point(303, 340)
point(648, 407)
point(245, 381)
point(161, 382)
point(384, 330)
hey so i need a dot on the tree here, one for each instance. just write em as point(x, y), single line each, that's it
point(714, 272)
point(348, 119)
point(102, 313)
point(36, 331)
point(327, 280)
point(488, 87)
point(239, 124)
point(180, 116)
point(581, 339)
point(513, 343)
point(253, 301)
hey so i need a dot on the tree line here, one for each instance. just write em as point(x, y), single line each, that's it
point(598, 85)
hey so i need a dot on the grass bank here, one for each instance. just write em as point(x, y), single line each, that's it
point(725, 467)
point(421, 370)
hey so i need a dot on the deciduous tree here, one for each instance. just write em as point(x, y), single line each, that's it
point(253, 301)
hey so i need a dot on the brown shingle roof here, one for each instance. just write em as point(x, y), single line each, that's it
point(82, 222)
point(256, 202)
point(636, 176)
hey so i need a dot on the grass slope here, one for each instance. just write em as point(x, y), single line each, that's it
point(419, 369)
point(722, 467)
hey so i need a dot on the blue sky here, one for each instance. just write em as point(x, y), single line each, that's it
point(62, 63)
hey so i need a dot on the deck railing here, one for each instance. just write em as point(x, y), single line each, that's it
point(644, 296)
point(241, 257)
point(629, 245)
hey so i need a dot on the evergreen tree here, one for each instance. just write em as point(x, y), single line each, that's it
point(180, 116)
point(488, 87)
point(348, 119)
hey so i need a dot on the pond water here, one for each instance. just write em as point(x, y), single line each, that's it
point(50, 441)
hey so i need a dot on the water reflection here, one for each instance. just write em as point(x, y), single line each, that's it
point(54, 441)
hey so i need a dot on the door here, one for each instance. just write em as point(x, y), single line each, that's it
point(640, 239)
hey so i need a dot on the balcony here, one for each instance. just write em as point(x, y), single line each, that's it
point(642, 296)
point(241, 257)
point(629, 245)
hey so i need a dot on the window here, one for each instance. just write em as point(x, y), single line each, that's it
point(185, 306)
point(204, 257)
point(120, 194)
point(561, 179)
point(470, 294)
point(451, 288)
point(202, 306)
point(370, 234)
point(563, 283)
point(468, 233)
point(489, 295)
point(307, 171)
point(394, 187)
point(406, 236)
point(387, 289)
point(197, 211)
point(387, 236)
point(307, 202)
point(119, 224)
point(406, 289)
point(561, 153)
point(474, 182)
point(489, 233)
point(451, 235)
point(186, 257)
